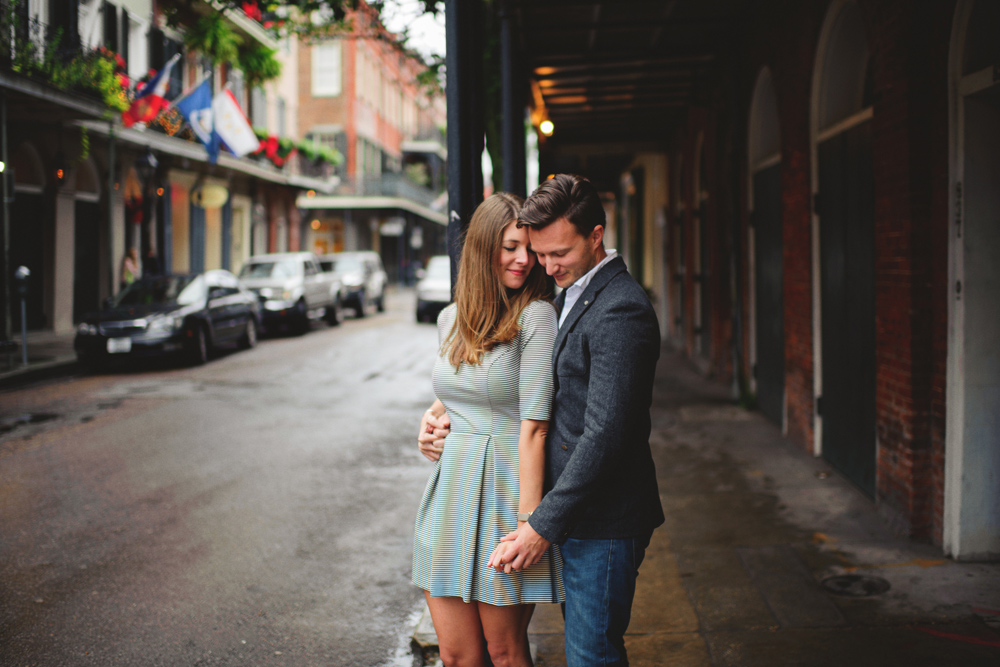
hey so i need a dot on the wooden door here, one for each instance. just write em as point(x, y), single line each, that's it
point(847, 292)
point(769, 369)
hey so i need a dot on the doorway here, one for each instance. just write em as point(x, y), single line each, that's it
point(766, 244)
point(844, 248)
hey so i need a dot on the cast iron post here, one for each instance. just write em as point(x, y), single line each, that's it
point(465, 120)
point(512, 111)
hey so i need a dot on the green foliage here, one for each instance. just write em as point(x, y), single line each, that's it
point(84, 144)
point(259, 65)
point(417, 172)
point(213, 36)
point(99, 72)
point(318, 152)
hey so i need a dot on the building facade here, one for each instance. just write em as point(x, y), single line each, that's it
point(83, 188)
point(361, 96)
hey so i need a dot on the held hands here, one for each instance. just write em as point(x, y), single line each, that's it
point(518, 550)
point(433, 430)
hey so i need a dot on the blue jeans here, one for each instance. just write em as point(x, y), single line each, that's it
point(600, 584)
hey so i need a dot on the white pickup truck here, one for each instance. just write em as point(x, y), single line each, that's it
point(292, 289)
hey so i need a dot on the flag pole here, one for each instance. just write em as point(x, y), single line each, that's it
point(187, 93)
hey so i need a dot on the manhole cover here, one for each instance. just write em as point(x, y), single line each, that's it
point(856, 585)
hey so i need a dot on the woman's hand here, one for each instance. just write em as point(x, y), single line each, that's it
point(496, 559)
point(433, 429)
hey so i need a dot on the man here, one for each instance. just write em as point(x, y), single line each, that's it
point(602, 501)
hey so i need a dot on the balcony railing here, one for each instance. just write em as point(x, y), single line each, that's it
point(50, 54)
point(395, 185)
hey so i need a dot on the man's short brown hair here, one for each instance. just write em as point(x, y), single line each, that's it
point(564, 196)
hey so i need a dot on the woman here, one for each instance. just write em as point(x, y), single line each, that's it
point(493, 377)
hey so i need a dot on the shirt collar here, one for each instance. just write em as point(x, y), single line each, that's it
point(582, 283)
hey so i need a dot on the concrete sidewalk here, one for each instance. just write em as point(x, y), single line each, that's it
point(48, 353)
point(754, 527)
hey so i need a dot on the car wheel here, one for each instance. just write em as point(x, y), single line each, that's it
point(362, 306)
point(333, 313)
point(249, 339)
point(380, 304)
point(301, 323)
point(199, 346)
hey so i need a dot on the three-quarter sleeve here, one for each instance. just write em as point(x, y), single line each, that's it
point(535, 341)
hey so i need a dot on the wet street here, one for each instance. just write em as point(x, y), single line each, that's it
point(255, 510)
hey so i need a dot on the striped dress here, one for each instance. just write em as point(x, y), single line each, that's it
point(471, 498)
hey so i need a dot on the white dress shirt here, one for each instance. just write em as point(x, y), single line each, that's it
point(574, 291)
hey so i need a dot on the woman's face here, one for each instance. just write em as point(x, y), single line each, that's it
point(516, 259)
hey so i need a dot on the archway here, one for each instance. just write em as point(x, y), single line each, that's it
point(972, 457)
point(766, 251)
point(30, 214)
point(844, 247)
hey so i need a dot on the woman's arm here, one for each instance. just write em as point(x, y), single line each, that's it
point(434, 426)
point(531, 476)
point(531, 464)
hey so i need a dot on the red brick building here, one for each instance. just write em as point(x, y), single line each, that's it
point(813, 210)
point(361, 95)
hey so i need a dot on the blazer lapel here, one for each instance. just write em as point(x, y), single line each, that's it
point(597, 283)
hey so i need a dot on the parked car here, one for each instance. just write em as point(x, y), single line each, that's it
point(174, 314)
point(363, 277)
point(292, 289)
point(434, 288)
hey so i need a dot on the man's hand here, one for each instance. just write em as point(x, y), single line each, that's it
point(521, 549)
point(433, 430)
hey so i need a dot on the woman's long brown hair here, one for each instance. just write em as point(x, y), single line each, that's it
point(488, 311)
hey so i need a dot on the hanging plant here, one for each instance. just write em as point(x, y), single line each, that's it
point(318, 152)
point(259, 65)
point(212, 36)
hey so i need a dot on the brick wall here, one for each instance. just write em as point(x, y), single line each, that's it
point(909, 44)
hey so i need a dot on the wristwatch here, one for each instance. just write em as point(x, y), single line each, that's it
point(523, 516)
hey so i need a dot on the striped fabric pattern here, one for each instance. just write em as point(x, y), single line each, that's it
point(471, 498)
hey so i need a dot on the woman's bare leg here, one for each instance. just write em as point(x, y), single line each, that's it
point(506, 631)
point(459, 631)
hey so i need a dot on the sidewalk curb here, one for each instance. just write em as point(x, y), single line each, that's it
point(53, 368)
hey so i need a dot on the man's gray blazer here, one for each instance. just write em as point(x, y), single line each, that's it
point(599, 473)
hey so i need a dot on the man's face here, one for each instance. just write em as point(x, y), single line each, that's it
point(566, 254)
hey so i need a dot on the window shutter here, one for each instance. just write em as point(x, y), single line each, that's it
point(156, 48)
point(110, 26)
point(124, 38)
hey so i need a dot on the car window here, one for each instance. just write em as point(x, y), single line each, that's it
point(308, 267)
point(162, 289)
point(326, 266)
point(347, 263)
point(282, 268)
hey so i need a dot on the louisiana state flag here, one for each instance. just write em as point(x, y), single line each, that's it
point(196, 106)
point(150, 101)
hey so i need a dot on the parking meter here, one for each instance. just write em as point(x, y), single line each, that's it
point(21, 276)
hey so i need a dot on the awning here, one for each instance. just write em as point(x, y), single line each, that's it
point(368, 203)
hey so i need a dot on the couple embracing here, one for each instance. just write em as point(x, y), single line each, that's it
point(544, 489)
